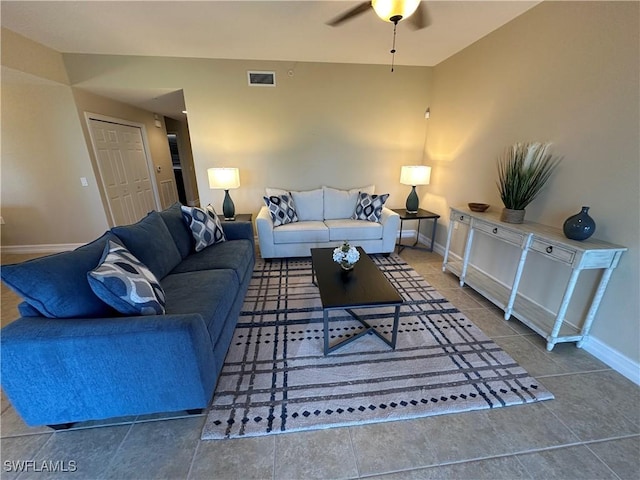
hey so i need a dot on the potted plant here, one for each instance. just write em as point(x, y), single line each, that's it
point(523, 170)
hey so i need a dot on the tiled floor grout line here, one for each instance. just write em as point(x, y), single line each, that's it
point(588, 446)
point(524, 467)
point(483, 458)
point(353, 451)
point(193, 459)
point(562, 422)
point(606, 465)
point(117, 450)
point(275, 458)
point(105, 425)
point(582, 372)
point(35, 455)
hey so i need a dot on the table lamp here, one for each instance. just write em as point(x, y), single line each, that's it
point(413, 176)
point(225, 179)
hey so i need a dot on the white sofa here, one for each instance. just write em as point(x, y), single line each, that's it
point(324, 220)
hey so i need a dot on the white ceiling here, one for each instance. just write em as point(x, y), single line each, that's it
point(256, 30)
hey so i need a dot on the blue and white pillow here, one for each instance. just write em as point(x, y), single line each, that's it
point(123, 282)
point(282, 209)
point(369, 207)
point(205, 226)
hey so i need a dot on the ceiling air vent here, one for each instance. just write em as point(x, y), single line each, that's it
point(261, 79)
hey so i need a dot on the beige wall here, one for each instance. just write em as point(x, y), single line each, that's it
point(46, 150)
point(157, 136)
point(331, 124)
point(565, 72)
point(43, 153)
point(25, 55)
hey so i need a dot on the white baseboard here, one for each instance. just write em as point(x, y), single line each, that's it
point(44, 248)
point(616, 360)
point(407, 234)
point(437, 248)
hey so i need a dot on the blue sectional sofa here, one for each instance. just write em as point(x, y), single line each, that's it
point(71, 357)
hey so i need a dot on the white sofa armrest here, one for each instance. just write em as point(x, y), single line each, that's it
point(264, 226)
point(390, 221)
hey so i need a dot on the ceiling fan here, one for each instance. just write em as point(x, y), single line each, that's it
point(392, 11)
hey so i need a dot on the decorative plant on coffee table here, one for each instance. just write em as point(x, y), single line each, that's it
point(523, 170)
point(346, 255)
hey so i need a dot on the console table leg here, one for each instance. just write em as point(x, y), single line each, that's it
point(564, 305)
point(516, 281)
point(595, 303)
point(550, 344)
point(467, 252)
point(448, 245)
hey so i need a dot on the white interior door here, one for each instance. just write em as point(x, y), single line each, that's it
point(124, 170)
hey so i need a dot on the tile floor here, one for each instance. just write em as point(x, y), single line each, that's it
point(590, 431)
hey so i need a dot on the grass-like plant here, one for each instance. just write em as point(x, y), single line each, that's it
point(523, 170)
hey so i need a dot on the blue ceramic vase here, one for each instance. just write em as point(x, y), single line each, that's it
point(579, 226)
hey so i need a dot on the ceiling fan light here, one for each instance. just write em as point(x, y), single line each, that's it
point(390, 9)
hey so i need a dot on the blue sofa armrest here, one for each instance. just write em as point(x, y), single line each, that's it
point(58, 371)
point(238, 230)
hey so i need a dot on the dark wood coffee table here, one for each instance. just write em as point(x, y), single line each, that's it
point(364, 287)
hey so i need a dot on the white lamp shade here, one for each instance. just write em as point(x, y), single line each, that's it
point(223, 178)
point(386, 9)
point(415, 175)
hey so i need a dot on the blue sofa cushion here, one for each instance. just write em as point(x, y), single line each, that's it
point(205, 226)
point(123, 282)
point(178, 229)
point(26, 310)
point(150, 242)
point(57, 285)
point(210, 293)
point(236, 255)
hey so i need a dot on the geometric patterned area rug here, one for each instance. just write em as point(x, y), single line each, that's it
point(276, 379)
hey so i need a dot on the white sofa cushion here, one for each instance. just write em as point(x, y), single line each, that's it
point(353, 230)
point(309, 205)
point(342, 203)
point(301, 232)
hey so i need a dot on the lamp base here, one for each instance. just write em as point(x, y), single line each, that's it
point(412, 201)
point(228, 208)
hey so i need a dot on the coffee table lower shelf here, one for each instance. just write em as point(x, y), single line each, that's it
point(368, 328)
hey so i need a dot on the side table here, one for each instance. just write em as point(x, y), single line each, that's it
point(240, 217)
point(419, 216)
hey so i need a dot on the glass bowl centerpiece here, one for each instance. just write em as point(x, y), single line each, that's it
point(346, 255)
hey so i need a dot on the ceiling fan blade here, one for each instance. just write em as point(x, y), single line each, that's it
point(354, 12)
point(420, 18)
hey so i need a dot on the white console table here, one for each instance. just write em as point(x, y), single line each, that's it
point(547, 241)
